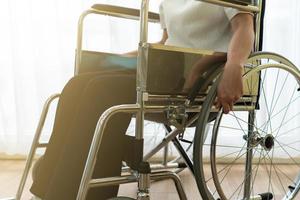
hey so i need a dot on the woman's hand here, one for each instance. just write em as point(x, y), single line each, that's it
point(230, 88)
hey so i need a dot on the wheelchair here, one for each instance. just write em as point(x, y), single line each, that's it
point(257, 123)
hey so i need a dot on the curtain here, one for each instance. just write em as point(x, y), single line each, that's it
point(281, 35)
point(38, 41)
point(37, 54)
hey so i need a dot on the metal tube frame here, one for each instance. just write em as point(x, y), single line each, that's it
point(96, 142)
point(140, 100)
point(166, 152)
point(79, 39)
point(155, 167)
point(112, 181)
point(248, 8)
point(35, 144)
point(167, 139)
point(249, 157)
point(141, 60)
point(138, 108)
point(87, 181)
point(174, 177)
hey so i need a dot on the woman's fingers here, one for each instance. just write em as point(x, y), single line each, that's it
point(226, 104)
point(226, 108)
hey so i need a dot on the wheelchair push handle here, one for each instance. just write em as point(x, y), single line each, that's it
point(244, 5)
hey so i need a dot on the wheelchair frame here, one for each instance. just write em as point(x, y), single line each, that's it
point(143, 169)
point(139, 109)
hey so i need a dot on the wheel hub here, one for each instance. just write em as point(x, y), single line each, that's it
point(267, 142)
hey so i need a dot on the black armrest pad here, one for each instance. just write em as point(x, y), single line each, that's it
point(240, 2)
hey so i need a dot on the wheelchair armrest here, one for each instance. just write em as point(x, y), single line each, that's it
point(240, 2)
point(244, 5)
point(117, 11)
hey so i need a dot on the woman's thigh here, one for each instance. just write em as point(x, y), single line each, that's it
point(65, 157)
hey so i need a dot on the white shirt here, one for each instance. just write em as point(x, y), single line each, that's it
point(195, 24)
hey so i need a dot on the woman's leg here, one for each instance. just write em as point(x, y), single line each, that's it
point(64, 116)
point(64, 166)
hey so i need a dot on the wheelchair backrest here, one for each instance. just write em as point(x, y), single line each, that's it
point(261, 24)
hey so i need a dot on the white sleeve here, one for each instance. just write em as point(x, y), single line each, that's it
point(231, 12)
point(162, 17)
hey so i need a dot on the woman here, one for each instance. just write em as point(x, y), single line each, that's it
point(186, 23)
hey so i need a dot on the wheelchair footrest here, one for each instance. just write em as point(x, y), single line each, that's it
point(182, 165)
point(134, 152)
point(266, 196)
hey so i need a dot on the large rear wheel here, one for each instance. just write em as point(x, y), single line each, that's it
point(255, 149)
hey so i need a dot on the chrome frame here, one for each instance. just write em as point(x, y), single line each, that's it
point(248, 8)
point(35, 145)
point(143, 179)
point(138, 109)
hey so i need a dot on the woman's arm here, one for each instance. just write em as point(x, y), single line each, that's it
point(164, 37)
point(231, 86)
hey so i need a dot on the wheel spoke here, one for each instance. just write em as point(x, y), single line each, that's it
point(238, 129)
point(282, 172)
point(293, 142)
point(270, 168)
point(288, 154)
point(247, 176)
point(282, 121)
point(253, 179)
point(280, 112)
point(286, 78)
point(258, 129)
point(224, 156)
point(271, 108)
point(226, 174)
point(280, 181)
point(287, 121)
point(287, 145)
point(239, 124)
point(229, 146)
point(237, 158)
point(269, 175)
point(268, 111)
